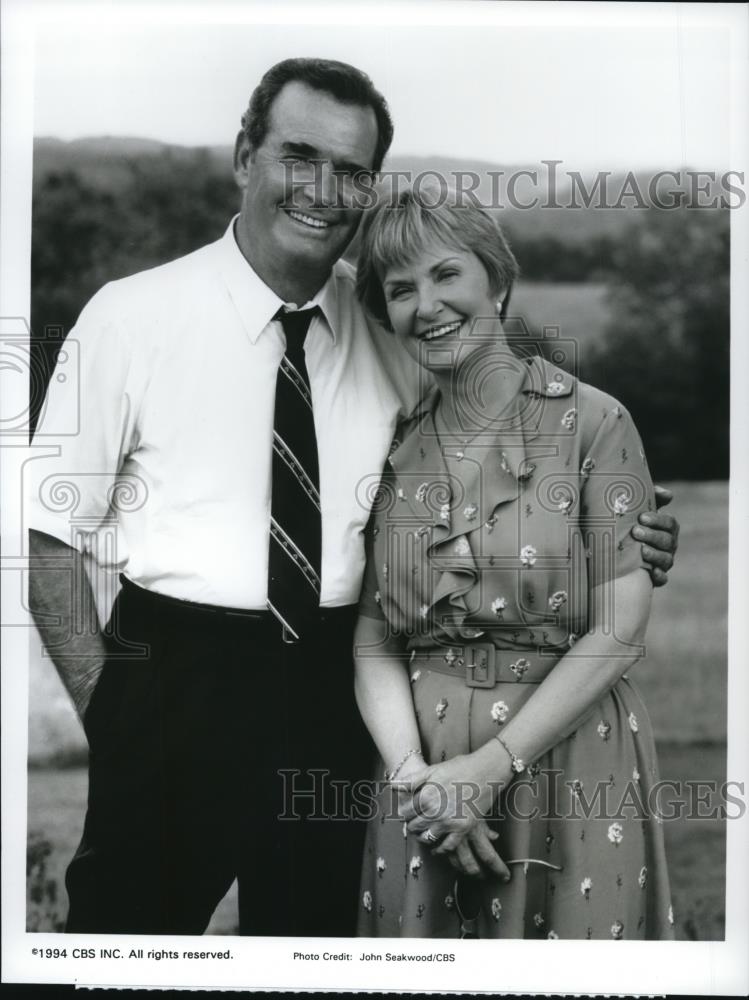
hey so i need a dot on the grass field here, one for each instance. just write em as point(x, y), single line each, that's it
point(682, 679)
point(684, 675)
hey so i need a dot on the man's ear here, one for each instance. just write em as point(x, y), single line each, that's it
point(242, 158)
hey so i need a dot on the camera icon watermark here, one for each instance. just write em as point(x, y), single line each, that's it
point(24, 368)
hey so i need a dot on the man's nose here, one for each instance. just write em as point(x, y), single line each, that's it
point(326, 193)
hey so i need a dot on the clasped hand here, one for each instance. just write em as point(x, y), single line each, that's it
point(450, 800)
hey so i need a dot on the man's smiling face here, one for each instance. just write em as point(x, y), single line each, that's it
point(283, 229)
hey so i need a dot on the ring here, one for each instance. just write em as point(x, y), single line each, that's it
point(430, 837)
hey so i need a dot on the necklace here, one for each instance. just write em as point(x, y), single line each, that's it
point(450, 439)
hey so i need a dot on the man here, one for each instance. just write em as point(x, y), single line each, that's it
point(246, 429)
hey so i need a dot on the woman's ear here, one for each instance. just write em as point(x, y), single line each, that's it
point(503, 302)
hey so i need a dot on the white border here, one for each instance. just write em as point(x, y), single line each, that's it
point(518, 966)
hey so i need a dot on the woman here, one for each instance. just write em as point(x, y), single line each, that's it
point(503, 603)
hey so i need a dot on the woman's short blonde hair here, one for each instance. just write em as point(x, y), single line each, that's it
point(399, 228)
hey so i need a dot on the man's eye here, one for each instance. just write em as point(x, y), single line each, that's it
point(365, 177)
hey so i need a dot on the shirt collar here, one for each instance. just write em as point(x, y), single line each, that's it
point(255, 302)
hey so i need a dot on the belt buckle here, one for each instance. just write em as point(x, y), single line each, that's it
point(481, 668)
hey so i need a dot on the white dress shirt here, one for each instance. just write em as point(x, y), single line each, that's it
point(173, 405)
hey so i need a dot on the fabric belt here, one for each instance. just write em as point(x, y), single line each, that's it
point(264, 622)
point(482, 665)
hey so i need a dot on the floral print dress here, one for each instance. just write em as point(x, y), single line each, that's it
point(481, 554)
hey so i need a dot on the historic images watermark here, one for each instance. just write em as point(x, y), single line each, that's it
point(548, 186)
point(541, 795)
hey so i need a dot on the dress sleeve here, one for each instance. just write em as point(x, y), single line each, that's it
point(615, 489)
point(370, 602)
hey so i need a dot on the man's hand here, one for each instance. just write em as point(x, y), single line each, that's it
point(659, 534)
point(82, 689)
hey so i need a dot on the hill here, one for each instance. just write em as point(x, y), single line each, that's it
point(104, 162)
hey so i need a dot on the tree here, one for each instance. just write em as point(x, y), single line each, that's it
point(152, 209)
point(666, 353)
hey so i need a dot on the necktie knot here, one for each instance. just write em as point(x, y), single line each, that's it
point(295, 324)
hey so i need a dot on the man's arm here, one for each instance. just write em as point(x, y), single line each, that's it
point(62, 603)
point(659, 534)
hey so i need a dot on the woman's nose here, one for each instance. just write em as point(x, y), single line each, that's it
point(429, 305)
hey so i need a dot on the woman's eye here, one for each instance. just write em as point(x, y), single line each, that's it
point(450, 273)
point(399, 292)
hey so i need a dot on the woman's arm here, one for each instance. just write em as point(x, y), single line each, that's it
point(619, 610)
point(383, 694)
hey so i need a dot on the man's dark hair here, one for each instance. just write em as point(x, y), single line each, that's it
point(347, 84)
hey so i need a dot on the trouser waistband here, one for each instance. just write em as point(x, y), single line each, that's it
point(263, 622)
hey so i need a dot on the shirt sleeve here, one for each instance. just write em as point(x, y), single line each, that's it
point(86, 428)
point(370, 602)
point(616, 489)
point(408, 378)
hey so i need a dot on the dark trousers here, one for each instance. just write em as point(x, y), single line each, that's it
point(201, 755)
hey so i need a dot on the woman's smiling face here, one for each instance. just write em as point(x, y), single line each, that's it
point(434, 301)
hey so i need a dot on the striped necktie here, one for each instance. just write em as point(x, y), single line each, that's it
point(295, 550)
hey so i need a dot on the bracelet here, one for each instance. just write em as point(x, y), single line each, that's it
point(515, 762)
point(389, 775)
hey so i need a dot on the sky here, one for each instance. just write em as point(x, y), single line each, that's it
point(619, 85)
